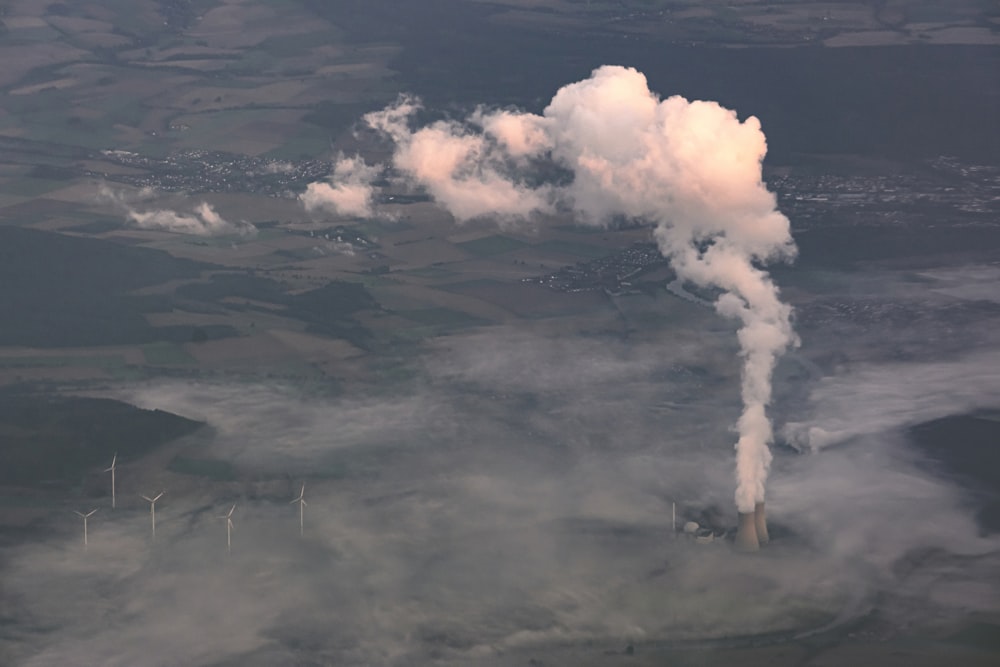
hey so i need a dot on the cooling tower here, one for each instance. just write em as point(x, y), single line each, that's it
point(760, 523)
point(746, 534)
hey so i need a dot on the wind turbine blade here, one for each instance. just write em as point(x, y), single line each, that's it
point(233, 509)
point(90, 512)
point(158, 496)
point(78, 513)
point(147, 499)
point(304, 503)
point(294, 500)
point(303, 491)
point(113, 459)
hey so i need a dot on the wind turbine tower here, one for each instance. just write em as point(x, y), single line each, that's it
point(302, 508)
point(229, 528)
point(85, 517)
point(152, 510)
point(111, 470)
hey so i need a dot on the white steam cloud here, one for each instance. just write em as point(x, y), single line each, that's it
point(349, 191)
point(879, 398)
point(691, 168)
point(202, 221)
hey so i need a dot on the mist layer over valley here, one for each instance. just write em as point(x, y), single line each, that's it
point(509, 497)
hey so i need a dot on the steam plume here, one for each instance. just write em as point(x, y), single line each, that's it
point(204, 221)
point(691, 168)
point(349, 191)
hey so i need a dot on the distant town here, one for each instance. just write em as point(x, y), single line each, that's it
point(943, 182)
point(198, 171)
point(920, 196)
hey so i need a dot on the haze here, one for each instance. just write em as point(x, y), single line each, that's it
point(520, 291)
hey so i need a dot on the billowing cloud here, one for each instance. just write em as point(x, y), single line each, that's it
point(204, 220)
point(615, 148)
point(349, 191)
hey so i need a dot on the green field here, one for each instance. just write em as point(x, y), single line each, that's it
point(109, 362)
point(414, 335)
point(167, 354)
point(467, 286)
point(32, 187)
point(286, 46)
point(215, 469)
point(372, 281)
point(308, 142)
point(206, 127)
point(430, 272)
point(442, 317)
point(113, 365)
point(32, 501)
point(573, 248)
point(51, 116)
point(58, 438)
point(491, 245)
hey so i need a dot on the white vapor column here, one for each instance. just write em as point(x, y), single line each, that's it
point(691, 168)
point(203, 221)
point(349, 191)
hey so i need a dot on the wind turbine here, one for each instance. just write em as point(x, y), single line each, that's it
point(85, 517)
point(112, 471)
point(152, 510)
point(302, 507)
point(229, 528)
